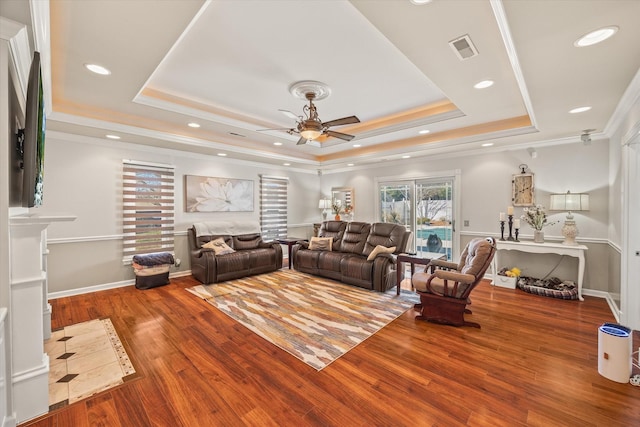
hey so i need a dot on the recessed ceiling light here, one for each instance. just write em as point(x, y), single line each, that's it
point(424, 131)
point(487, 144)
point(112, 136)
point(579, 110)
point(222, 154)
point(287, 164)
point(349, 164)
point(596, 36)
point(483, 84)
point(277, 143)
point(357, 145)
point(406, 156)
point(98, 69)
point(420, 2)
point(193, 125)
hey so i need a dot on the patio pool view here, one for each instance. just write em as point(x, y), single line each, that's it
point(442, 232)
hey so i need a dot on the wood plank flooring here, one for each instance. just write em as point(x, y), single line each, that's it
point(533, 362)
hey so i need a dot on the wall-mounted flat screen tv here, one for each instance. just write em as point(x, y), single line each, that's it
point(33, 148)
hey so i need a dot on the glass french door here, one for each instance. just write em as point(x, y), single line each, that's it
point(425, 207)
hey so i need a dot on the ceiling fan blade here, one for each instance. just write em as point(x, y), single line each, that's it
point(343, 121)
point(290, 114)
point(301, 141)
point(340, 135)
point(264, 130)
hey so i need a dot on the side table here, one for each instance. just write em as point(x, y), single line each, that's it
point(414, 259)
point(289, 241)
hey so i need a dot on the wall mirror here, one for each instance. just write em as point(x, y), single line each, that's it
point(344, 195)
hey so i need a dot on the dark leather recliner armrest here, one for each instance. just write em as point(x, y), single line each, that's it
point(302, 244)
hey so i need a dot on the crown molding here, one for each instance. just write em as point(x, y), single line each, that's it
point(503, 25)
point(630, 97)
point(17, 37)
point(82, 139)
point(40, 21)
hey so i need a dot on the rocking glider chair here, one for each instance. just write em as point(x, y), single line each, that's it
point(444, 292)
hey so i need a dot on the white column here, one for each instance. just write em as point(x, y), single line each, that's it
point(30, 373)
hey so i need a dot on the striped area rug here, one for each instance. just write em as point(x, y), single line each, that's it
point(317, 320)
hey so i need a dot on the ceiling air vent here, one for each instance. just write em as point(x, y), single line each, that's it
point(463, 47)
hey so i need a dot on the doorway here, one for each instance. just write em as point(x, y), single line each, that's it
point(425, 206)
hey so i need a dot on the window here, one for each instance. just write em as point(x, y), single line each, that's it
point(426, 207)
point(148, 205)
point(273, 207)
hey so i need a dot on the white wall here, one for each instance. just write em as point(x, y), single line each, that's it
point(486, 191)
point(624, 204)
point(486, 184)
point(83, 178)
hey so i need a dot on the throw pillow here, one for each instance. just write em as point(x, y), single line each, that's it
point(219, 246)
point(321, 244)
point(380, 250)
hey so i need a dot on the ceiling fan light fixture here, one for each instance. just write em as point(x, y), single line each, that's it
point(310, 129)
point(310, 134)
point(595, 37)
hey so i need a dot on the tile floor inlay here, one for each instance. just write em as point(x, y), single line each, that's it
point(86, 358)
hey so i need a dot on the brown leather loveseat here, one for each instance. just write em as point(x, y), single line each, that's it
point(223, 251)
point(350, 259)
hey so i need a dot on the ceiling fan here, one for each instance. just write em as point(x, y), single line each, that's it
point(310, 127)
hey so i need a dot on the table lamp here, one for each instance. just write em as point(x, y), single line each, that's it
point(325, 205)
point(569, 202)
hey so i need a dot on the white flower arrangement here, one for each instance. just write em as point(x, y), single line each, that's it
point(536, 217)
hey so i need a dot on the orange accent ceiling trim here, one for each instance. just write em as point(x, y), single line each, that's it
point(417, 113)
point(500, 125)
point(163, 96)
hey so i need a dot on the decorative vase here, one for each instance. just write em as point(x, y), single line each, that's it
point(337, 218)
point(538, 236)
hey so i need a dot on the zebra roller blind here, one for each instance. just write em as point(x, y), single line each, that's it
point(148, 208)
point(273, 207)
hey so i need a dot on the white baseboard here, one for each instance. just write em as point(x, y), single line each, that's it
point(105, 286)
point(606, 295)
point(10, 421)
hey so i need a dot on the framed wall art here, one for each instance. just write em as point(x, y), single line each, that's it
point(211, 194)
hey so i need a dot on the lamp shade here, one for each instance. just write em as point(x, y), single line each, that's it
point(569, 202)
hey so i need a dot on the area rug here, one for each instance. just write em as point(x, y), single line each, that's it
point(316, 320)
point(85, 359)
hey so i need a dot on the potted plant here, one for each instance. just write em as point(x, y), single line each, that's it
point(536, 218)
point(336, 205)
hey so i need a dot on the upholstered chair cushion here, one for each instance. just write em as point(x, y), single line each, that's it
point(219, 246)
point(380, 250)
point(247, 241)
point(334, 229)
point(387, 235)
point(321, 243)
point(355, 237)
point(475, 256)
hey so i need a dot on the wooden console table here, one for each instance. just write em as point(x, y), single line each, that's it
point(576, 251)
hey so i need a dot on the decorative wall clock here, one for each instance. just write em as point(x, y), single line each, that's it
point(522, 188)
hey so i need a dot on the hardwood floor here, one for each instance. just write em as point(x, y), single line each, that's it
point(533, 362)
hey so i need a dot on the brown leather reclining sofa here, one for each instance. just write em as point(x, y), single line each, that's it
point(250, 256)
point(352, 243)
